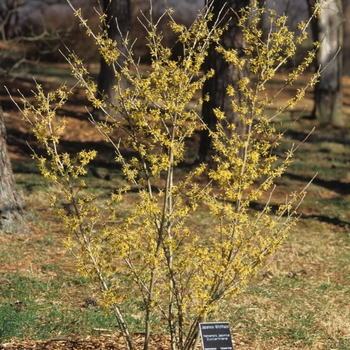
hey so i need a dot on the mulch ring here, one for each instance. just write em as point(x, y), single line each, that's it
point(105, 341)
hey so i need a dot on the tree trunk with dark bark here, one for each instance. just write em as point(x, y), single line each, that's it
point(11, 207)
point(115, 10)
point(225, 74)
point(346, 34)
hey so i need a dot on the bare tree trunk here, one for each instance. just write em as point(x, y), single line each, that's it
point(328, 92)
point(115, 10)
point(225, 74)
point(264, 21)
point(11, 207)
point(346, 34)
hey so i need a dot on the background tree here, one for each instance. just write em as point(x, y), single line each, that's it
point(17, 30)
point(346, 34)
point(330, 29)
point(116, 29)
point(225, 74)
point(25, 34)
point(328, 92)
point(11, 207)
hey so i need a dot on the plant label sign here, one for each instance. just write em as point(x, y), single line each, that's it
point(216, 336)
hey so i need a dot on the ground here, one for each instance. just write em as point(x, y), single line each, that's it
point(19, 135)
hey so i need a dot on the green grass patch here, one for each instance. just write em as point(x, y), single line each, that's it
point(35, 308)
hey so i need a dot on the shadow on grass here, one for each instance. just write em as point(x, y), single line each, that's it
point(340, 136)
point(333, 185)
point(321, 218)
